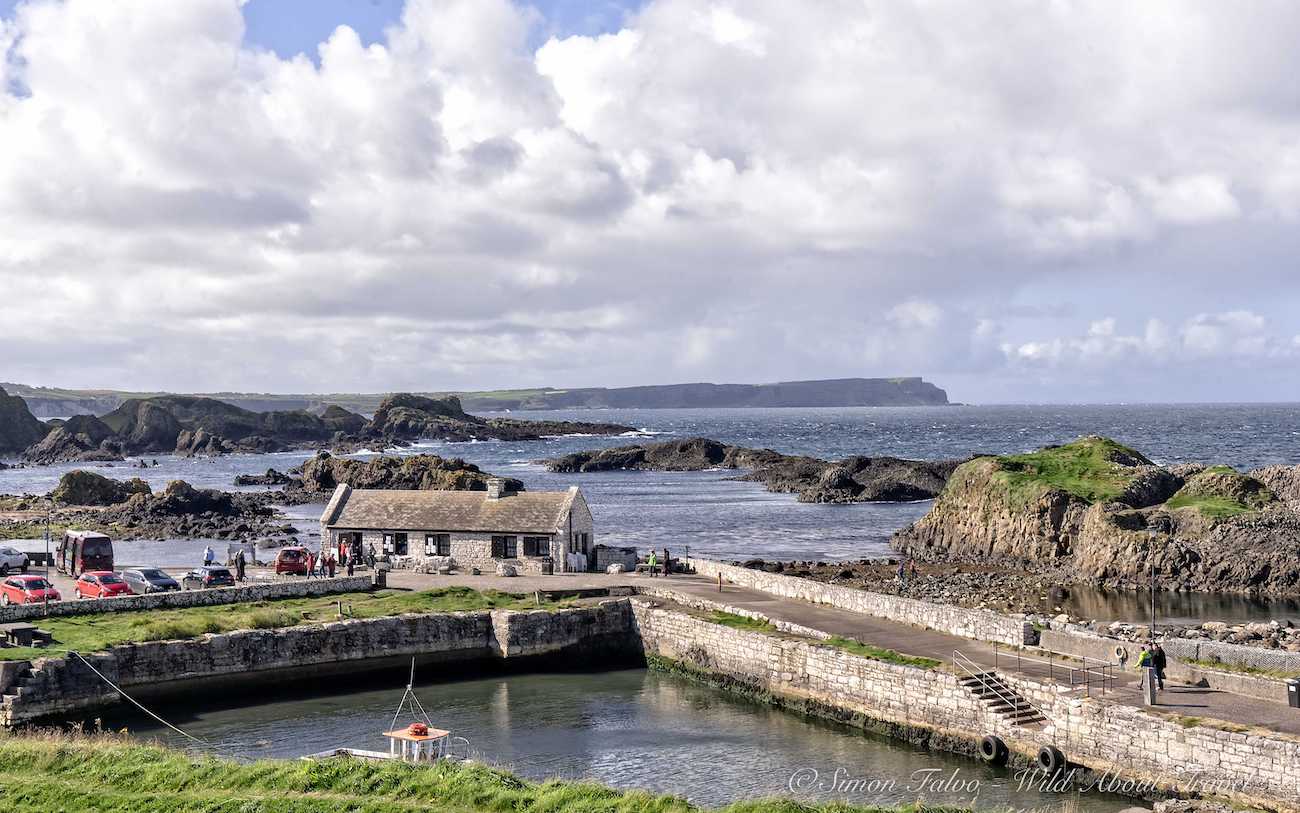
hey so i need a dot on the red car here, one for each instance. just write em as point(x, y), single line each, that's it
point(292, 560)
point(100, 584)
point(27, 590)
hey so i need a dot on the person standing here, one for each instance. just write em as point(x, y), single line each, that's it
point(241, 563)
point(331, 563)
point(352, 564)
point(902, 574)
point(1158, 661)
point(209, 556)
point(652, 562)
point(311, 565)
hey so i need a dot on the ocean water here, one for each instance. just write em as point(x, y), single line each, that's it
point(710, 514)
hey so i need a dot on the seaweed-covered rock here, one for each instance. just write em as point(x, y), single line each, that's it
point(81, 487)
point(427, 472)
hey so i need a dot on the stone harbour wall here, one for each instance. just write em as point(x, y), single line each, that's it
point(981, 625)
point(1123, 742)
point(297, 588)
point(67, 684)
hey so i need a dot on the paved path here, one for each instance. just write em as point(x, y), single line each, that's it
point(1189, 701)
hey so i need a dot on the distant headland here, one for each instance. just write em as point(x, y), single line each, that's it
point(840, 392)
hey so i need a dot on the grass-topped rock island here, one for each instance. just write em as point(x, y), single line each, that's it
point(1101, 512)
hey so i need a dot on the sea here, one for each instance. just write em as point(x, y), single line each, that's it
point(711, 514)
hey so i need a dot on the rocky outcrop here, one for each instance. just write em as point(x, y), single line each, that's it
point(271, 478)
point(426, 472)
point(195, 425)
point(692, 454)
point(1283, 481)
point(130, 510)
point(19, 429)
point(81, 438)
point(88, 488)
point(854, 479)
point(1105, 514)
point(416, 417)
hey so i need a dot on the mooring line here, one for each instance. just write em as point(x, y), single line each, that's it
point(137, 703)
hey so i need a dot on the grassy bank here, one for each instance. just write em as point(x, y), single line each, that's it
point(849, 645)
point(93, 632)
point(75, 774)
point(1084, 468)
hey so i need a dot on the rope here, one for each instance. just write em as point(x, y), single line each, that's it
point(137, 703)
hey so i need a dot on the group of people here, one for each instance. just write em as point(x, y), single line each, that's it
point(240, 562)
point(323, 565)
point(1153, 655)
point(906, 569)
point(653, 562)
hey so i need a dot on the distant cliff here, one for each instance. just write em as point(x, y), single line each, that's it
point(840, 392)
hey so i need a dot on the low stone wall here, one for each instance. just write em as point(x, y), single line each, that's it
point(980, 625)
point(1119, 741)
point(66, 684)
point(1102, 648)
point(189, 598)
point(1255, 657)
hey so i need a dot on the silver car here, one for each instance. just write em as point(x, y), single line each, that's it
point(11, 559)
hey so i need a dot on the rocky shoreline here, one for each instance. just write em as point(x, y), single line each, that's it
point(192, 425)
point(854, 479)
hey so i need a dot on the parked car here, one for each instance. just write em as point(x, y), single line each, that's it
point(27, 590)
point(100, 584)
point(149, 580)
point(291, 560)
point(207, 576)
point(79, 551)
point(12, 559)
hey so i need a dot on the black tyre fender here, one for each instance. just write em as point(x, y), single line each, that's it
point(993, 750)
point(1050, 759)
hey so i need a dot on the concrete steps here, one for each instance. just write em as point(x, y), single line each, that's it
point(1000, 698)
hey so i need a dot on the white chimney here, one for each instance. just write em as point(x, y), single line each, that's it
point(496, 488)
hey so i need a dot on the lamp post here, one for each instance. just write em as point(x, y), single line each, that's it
point(1159, 524)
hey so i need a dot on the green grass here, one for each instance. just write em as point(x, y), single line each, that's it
point(1083, 468)
point(102, 773)
point(875, 653)
point(741, 622)
point(1210, 506)
point(93, 632)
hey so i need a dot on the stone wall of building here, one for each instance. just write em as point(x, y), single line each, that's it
point(1117, 741)
point(980, 625)
point(66, 684)
point(296, 588)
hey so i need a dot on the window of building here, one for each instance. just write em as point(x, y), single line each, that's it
point(437, 544)
point(579, 543)
point(537, 546)
point(505, 547)
point(399, 544)
point(388, 543)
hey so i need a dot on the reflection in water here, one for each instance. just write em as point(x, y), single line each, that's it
point(1171, 608)
point(629, 729)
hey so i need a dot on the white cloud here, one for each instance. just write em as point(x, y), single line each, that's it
point(725, 190)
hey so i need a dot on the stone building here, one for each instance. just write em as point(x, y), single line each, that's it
point(535, 531)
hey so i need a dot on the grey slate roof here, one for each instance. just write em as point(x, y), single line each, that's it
point(527, 512)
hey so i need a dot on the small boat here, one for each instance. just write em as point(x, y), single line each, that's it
point(416, 742)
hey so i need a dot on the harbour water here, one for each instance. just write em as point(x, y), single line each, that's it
point(628, 729)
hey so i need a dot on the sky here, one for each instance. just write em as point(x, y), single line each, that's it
point(1020, 201)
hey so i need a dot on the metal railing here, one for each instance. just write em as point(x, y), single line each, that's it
point(1100, 673)
point(1014, 702)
